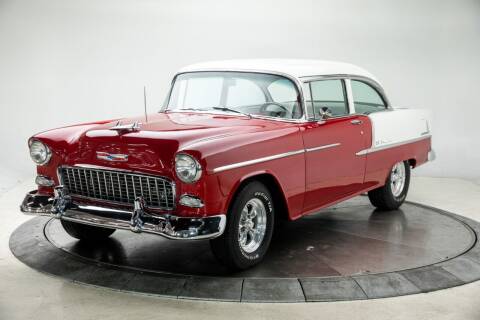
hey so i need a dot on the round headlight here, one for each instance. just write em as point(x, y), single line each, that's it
point(39, 152)
point(187, 168)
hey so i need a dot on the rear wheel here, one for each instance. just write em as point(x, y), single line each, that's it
point(86, 232)
point(249, 228)
point(393, 193)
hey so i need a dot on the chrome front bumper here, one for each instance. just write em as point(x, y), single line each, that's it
point(172, 227)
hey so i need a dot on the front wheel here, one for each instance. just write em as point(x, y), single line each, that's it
point(249, 228)
point(393, 193)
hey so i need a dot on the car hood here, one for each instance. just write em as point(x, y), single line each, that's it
point(181, 128)
point(153, 146)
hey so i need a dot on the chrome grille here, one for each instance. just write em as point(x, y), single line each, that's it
point(118, 186)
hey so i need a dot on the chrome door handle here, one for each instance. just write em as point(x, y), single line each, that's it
point(356, 121)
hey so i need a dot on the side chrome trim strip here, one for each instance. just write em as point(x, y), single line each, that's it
point(274, 157)
point(255, 161)
point(391, 145)
point(322, 147)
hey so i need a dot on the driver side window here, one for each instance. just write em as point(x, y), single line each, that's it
point(329, 96)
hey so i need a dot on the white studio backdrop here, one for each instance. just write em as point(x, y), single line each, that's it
point(64, 62)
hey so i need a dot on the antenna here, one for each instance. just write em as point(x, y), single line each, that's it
point(145, 102)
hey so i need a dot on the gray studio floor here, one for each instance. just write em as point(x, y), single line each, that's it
point(28, 294)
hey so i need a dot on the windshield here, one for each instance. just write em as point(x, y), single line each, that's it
point(236, 92)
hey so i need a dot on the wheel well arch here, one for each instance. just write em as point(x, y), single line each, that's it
point(276, 191)
point(412, 162)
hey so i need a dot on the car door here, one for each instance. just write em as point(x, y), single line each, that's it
point(333, 169)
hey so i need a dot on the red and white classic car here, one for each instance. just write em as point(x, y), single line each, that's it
point(237, 146)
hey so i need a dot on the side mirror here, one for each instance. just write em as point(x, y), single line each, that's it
point(324, 113)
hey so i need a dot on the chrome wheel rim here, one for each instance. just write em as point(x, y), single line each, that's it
point(252, 226)
point(397, 179)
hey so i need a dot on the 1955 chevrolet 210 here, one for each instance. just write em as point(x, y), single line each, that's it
point(237, 146)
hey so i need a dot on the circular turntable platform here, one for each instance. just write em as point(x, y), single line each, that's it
point(349, 251)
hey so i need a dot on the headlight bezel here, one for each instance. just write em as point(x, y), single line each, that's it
point(48, 153)
point(195, 165)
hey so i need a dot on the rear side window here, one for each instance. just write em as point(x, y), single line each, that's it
point(365, 98)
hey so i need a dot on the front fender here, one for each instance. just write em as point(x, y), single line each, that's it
point(232, 160)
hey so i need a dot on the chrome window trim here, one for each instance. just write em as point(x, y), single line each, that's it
point(295, 80)
point(307, 86)
point(299, 82)
point(391, 145)
point(351, 104)
point(367, 80)
point(300, 120)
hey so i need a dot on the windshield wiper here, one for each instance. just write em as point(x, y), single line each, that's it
point(193, 109)
point(217, 108)
point(232, 110)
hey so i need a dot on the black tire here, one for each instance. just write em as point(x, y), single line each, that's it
point(384, 199)
point(86, 232)
point(227, 248)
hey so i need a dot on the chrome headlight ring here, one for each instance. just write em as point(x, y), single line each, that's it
point(187, 168)
point(39, 152)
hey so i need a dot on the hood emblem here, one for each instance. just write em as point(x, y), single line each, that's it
point(112, 157)
point(119, 127)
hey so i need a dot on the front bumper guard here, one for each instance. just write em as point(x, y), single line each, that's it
point(172, 227)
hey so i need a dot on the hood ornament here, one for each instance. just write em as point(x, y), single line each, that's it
point(112, 157)
point(126, 127)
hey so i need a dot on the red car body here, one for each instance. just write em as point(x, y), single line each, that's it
point(306, 181)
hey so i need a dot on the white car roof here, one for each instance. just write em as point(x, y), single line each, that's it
point(292, 67)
